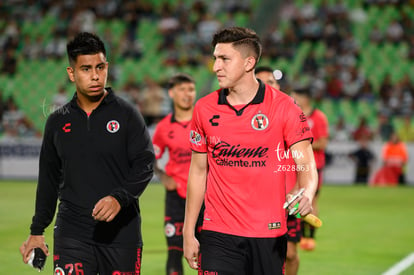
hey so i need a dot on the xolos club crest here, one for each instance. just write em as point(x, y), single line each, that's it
point(113, 126)
point(260, 122)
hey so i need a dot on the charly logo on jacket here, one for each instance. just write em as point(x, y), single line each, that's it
point(113, 126)
point(66, 127)
point(260, 122)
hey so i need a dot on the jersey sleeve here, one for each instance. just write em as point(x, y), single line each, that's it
point(50, 176)
point(296, 126)
point(158, 141)
point(197, 132)
point(141, 158)
point(321, 128)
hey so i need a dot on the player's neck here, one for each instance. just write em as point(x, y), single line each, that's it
point(183, 114)
point(307, 110)
point(88, 105)
point(243, 93)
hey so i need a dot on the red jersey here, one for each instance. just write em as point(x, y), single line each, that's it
point(173, 135)
point(319, 126)
point(245, 148)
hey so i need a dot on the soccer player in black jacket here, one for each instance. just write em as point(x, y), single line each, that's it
point(96, 158)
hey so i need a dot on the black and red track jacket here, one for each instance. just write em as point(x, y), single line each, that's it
point(85, 158)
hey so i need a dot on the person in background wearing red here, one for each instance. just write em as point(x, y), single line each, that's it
point(320, 129)
point(266, 75)
point(172, 134)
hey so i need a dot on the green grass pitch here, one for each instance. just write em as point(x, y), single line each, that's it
point(365, 231)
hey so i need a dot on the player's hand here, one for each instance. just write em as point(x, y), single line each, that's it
point(106, 209)
point(302, 204)
point(191, 251)
point(31, 243)
point(305, 205)
point(168, 182)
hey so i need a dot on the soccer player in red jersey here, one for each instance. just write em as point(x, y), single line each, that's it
point(172, 133)
point(265, 74)
point(320, 129)
point(239, 136)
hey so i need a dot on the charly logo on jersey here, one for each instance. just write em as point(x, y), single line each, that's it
point(113, 126)
point(260, 122)
point(59, 271)
point(195, 137)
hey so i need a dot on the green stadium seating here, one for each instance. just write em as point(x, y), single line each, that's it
point(37, 80)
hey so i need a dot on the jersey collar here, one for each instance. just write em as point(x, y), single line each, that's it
point(174, 120)
point(258, 98)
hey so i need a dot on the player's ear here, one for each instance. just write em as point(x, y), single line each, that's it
point(71, 74)
point(170, 93)
point(250, 63)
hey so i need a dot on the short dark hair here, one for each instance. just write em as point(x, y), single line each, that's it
point(263, 69)
point(305, 91)
point(239, 36)
point(84, 43)
point(178, 79)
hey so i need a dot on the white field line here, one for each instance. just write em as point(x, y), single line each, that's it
point(401, 265)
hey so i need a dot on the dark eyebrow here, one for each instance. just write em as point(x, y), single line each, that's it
point(90, 66)
point(86, 66)
point(220, 56)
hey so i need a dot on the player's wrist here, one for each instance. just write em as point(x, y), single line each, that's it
point(188, 231)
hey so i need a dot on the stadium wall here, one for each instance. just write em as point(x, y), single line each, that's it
point(19, 161)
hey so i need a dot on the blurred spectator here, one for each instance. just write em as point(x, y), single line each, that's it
point(394, 32)
point(363, 158)
point(83, 20)
point(33, 48)
point(153, 101)
point(9, 65)
point(334, 85)
point(56, 47)
point(340, 131)
point(168, 26)
point(395, 154)
point(406, 130)
point(394, 157)
point(188, 45)
point(130, 48)
point(366, 92)
point(60, 98)
point(310, 64)
point(2, 109)
point(353, 80)
point(363, 131)
point(206, 27)
point(385, 126)
point(376, 35)
point(15, 123)
point(386, 94)
point(131, 92)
